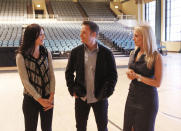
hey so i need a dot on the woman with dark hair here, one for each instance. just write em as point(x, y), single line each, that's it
point(35, 68)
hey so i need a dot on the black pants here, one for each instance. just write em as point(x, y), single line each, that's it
point(100, 110)
point(31, 110)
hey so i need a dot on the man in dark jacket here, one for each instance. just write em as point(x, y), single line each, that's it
point(91, 76)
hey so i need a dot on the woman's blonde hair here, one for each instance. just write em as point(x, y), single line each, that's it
point(149, 43)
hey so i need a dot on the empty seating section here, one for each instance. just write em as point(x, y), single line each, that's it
point(119, 35)
point(65, 9)
point(60, 9)
point(62, 37)
point(10, 35)
point(97, 10)
point(13, 9)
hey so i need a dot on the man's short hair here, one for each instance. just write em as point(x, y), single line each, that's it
point(92, 25)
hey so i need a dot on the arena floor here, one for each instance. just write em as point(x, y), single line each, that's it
point(168, 118)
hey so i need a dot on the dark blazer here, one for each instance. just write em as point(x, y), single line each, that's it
point(105, 73)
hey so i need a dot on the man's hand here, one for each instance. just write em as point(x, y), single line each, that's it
point(75, 95)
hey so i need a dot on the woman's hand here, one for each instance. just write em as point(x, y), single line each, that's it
point(51, 102)
point(131, 74)
point(49, 107)
point(51, 98)
point(45, 103)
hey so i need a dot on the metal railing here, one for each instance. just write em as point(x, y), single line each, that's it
point(132, 17)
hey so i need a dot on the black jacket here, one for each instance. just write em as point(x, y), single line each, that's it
point(105, 74)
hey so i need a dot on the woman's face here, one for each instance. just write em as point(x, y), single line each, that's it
point(40, 39)
point(138, 39)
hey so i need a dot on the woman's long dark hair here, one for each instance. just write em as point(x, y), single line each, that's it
point(31, 33)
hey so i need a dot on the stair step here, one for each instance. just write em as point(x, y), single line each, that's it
point(109, 45)
point(82, 11)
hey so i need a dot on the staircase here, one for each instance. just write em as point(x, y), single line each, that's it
point(49, 8)
point(82, 11)
point(107, 5)
point(29, 9)
point(110, 45)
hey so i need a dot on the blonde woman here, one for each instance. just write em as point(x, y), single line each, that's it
point(145, 73)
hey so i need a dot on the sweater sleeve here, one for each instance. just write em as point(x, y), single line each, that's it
point(24, 77)
point(52, 76)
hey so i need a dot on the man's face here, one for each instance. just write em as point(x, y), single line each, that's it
point(86, 35)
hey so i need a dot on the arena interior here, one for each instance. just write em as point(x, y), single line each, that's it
point(61, 20)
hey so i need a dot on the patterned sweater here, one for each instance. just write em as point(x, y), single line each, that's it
point(36, 75)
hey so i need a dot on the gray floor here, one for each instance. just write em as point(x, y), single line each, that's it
point(168, 118)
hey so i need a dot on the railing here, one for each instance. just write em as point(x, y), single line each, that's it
point(102, 19)
point(56, 17)
point(81, 19)
point(132, 17)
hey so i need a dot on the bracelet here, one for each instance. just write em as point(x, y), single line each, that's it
point(139, 78)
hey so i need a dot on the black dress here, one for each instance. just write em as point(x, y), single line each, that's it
point(142, 101)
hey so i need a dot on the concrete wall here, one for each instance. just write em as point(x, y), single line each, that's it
point(172, 46)
point(115, 10)
point(92, 0)
point(40, 2)
point(42, 6)
point(130, 8)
